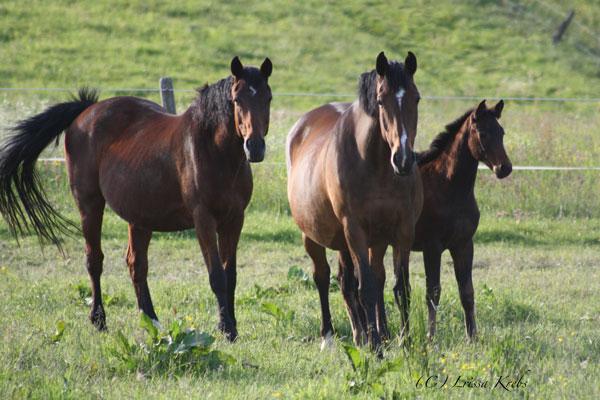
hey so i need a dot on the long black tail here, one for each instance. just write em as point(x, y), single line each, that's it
point(22, 199)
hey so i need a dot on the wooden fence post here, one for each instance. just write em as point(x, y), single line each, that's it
point(167, 95)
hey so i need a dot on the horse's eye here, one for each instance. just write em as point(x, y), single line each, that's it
point(379, 102)
point(236, 100)
point(418, 99)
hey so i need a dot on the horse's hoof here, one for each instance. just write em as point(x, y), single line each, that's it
point(229, 332)
point(327, 342)
point(98, 319)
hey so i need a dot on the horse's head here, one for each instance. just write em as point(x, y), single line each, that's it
point(486, 139)
point(251, 97)
point(397, 101)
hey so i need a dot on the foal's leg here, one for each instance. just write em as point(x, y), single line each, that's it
point(137, 261)
point(321, 274)
point(463, 265)
point(92, 211)
point(432, 257)
point(349, 288)
point(206, 231)
point(402, 287)
point(229, 236)
point(367, 284)
point(376, 255)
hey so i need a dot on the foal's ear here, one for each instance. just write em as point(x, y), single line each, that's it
point(382, 64)
point(498, 109)
point(410, 63)
point(481, 108)
point(237, 69)
point(266, 68)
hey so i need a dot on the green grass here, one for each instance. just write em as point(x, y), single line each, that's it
point(463, 47)
point(535, 279)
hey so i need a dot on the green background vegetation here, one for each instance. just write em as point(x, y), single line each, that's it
point(537, 250)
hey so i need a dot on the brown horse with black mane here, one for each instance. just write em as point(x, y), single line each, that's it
point(353, 186)
point(157, 171)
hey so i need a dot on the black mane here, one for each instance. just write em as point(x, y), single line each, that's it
point(367, 86)
point(214, 106)
point(442, 140)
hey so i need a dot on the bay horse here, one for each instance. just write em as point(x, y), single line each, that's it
point(159, 172)
point(353, 186)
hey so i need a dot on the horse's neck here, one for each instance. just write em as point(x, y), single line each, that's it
point(221, 141)
point(370, 144)
point(459, 165)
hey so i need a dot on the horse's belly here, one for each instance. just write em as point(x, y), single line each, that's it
point(152, 201)
point(312, 210)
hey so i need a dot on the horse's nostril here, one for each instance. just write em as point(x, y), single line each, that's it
point(255, 149)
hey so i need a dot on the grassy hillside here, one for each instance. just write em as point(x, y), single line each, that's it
point(463, 47)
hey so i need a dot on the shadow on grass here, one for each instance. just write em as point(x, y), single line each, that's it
point(289, 236)
point(506, 236)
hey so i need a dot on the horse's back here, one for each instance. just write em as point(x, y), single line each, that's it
point(307, 146)
point(313, 129)
point(126, 149)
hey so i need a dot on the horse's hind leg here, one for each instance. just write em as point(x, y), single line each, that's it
point(349, 287)
point(376, 255)
point(432, 256)
point(321, 274)
point(92, 211)
point(137, 261)
point(402, 287)
point(463, 266)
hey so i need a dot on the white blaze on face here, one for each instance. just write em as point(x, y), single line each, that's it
point(252, 90)
point(404, 137)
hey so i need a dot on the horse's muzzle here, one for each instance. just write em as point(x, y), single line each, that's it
point(255, 149)
point(403, 165)
point(502, 170)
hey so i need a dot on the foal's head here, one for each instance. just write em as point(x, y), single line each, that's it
point(394, 101)
point(486, 139)
point(251, 97)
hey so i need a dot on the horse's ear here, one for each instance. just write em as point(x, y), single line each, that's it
point(410, 63)
point(266, 68)
point(498, 109)
point(237, 69)
point(480, 109)
point(382, 64)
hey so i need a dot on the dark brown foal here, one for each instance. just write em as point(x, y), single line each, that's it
point(450, 214)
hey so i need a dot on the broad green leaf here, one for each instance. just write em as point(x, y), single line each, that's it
point(60, 330)
point(273, 310)
point(147, 324)
point(356, 359)
point(193, 339)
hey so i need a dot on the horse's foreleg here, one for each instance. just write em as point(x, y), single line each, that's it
point(376, 255)
point(367, 283)
point(92, 211)
point(321, 274)
point(229, 236)
point(463, 266)
point(137, 262)
point(432, 255)
point(206, 231)
point(349, 288)
point(402, 286)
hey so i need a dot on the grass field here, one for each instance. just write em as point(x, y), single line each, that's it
point(537, 251)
